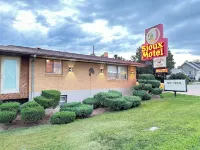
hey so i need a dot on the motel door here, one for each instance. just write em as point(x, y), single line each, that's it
point(10, 69)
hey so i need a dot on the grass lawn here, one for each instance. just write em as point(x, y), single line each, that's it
point(178, 120)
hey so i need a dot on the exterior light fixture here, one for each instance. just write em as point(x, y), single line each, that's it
point(101, 67)
point(132, 72)
point(70, 69)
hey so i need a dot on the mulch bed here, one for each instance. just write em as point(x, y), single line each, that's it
point(18, 123)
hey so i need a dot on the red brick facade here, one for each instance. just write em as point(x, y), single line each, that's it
point(24, 82)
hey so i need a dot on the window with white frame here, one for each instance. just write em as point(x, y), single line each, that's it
point(117, 72)
point(53, 66)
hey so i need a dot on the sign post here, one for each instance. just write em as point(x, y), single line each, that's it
point(175, 86)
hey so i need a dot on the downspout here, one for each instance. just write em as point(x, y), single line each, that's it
point(32, 76)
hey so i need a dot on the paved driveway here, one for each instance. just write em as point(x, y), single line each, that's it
point(193, 90)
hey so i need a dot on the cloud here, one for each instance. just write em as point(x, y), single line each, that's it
point(111, 25)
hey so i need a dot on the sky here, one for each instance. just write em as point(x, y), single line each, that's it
point(113, 26)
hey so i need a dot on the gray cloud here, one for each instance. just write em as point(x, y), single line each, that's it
point(181, 19)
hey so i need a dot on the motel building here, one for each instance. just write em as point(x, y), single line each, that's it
point(25, 72)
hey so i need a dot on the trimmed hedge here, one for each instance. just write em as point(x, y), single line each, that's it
point(135, 100)
point(154, 83)
point(116, 92)
point(92, 101)
point(142, 94)
point(72, 104)
point(10, 106)
point(32, 114)
point(102, 96)
point(138, 87)
point(146, 77)
point(147, 87)
point(29, 104)
point(63, 117)
point(7, 116)
point(157, 91)
point(54, 95)
point(118, 104)
point(44, 102)
point(81, 111)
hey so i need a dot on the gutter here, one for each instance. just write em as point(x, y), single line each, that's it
point(32, 75)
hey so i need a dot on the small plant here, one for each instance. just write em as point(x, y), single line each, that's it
point(10, 106)
point(7, 116)
point(81, 111)
point(135, 100)
point(30, 104)
point(52, 94)
point(92, 101)
point(142, 94)
point(44, 102)
point(157, 91)
point(63, 117)
point(147, 87)
point(32, 114)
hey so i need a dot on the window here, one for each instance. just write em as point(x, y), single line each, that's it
point(117, 72)
point(190, 72)
point(53, 66)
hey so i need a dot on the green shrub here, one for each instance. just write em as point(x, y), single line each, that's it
point(62, 117)
point(30, 104)
point(118, 104)
point(116, 92)
point(44, 102)
point(2, 102)
point(179, 76)
point(157, 91)
point(142, 94)
point(72, 104)
point(92, 101)
point(32, 114)
point(138, 87)
point(135, 100)
point(147, 87)
point(81, 111)
point(154, 83)
point(7, 116)
point(100, 97)
point(10, 106)
point(146, 77)
point(52, 94)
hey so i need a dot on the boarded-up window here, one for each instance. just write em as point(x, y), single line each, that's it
point(53, 66)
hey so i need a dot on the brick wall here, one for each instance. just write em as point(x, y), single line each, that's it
point(24, 82)
point(79, 79)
